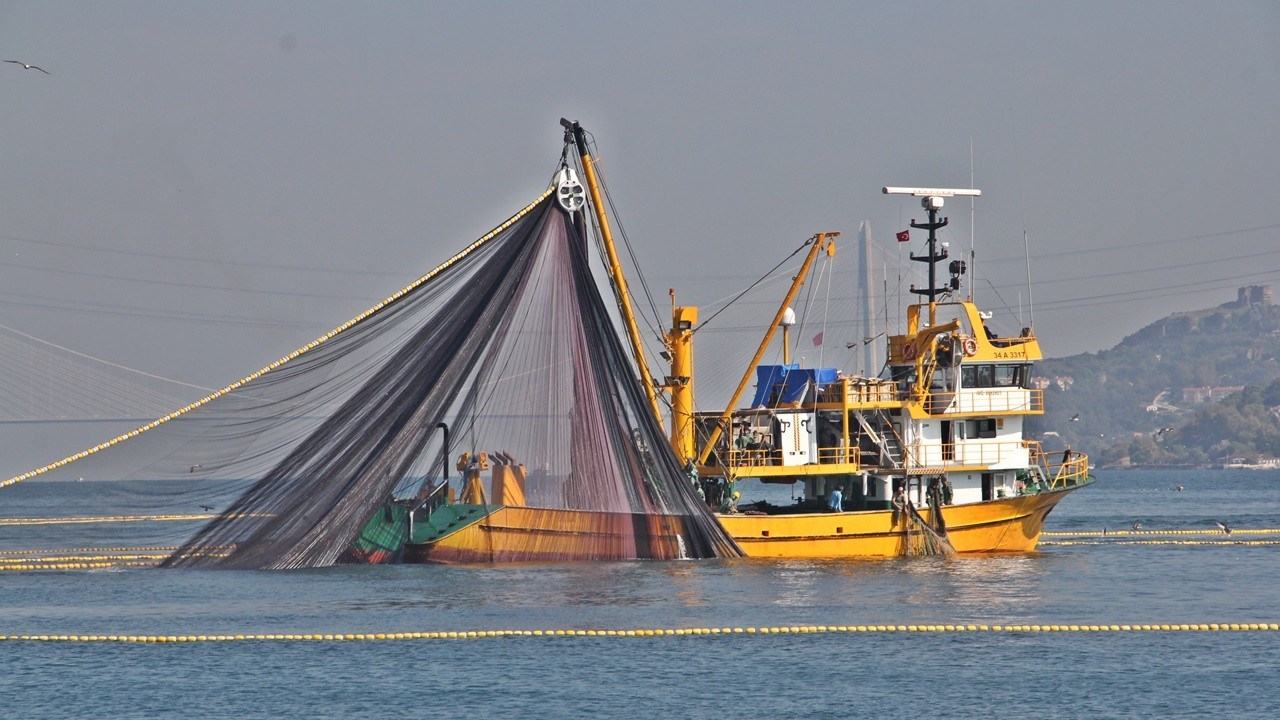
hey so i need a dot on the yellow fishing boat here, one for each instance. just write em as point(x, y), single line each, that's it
point(928, 457)
point(330, 453)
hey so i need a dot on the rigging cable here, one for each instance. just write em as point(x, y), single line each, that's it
point(826, 308)
point(356, 321)
point(656, 323)
point(750, 287)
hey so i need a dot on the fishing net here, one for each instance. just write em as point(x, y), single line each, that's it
point(507, 349)
point(923, 538)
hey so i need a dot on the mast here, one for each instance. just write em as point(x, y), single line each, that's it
point(932, 200)
point(866, 302)
point(820, 241)
point(680, 382)
point(574, 130)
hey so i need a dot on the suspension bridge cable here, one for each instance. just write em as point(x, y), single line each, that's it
point(108, 363)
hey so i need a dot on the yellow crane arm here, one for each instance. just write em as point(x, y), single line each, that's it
point(615, 267)
point(820, 241)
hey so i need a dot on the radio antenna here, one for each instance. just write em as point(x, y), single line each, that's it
point(1022, 212)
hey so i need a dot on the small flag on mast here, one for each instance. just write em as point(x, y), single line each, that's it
point(817, 339)
point(904, 236)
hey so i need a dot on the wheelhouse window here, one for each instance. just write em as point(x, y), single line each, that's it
point(1007, 375)
point(980, 428)
point(988, 376)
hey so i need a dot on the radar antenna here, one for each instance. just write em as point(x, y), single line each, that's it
point(932, 199)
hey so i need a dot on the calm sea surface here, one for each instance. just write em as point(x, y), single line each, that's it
point(1072, 580)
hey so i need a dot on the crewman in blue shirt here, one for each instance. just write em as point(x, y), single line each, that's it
point(834, 500)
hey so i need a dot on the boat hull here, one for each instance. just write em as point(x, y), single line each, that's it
point(382, 539)
point(1010, 525)
point(522, 534)
point(508, 534)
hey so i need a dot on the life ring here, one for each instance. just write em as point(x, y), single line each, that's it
point(970, 347)
point(909, 350)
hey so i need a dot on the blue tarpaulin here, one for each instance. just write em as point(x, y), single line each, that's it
point(785, 384)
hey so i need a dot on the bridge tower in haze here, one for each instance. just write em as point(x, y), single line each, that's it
point(867, 305)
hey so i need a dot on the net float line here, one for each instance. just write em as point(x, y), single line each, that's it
point(650, 632)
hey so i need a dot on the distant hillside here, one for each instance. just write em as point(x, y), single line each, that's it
point(1242, 429)
point(1154, 380)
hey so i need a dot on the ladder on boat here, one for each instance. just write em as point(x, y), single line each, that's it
point(886, 439)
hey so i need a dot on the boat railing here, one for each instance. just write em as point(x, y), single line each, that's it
point(762, 457)
point(1003, 341)
point(1063, 470)
point(966, 454)
point(874, 393)
point(745, 459)
point(862, 391)
point(828, 455)
point(999, 400)
point(771, 458)
point(969, 454)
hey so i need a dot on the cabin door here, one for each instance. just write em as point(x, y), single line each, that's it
point(948, 442)
point(794, 433)
point(988, 487)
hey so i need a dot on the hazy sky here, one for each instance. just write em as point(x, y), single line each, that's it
point(197, 188)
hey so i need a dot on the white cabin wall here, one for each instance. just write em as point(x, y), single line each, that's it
point(1012, 452)
point(966, 488)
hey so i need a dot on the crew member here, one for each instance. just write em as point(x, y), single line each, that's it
point(835, 500)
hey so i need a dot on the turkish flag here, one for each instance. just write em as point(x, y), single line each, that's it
point(904, 236)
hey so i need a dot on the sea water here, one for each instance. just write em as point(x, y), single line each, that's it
point(1086, 579)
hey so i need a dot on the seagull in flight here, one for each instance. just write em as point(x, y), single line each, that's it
point(207, 508)
point(195, 468)
point(1222, 526)
point(29, 67)
point(1137, 524)
point(1075, 418)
